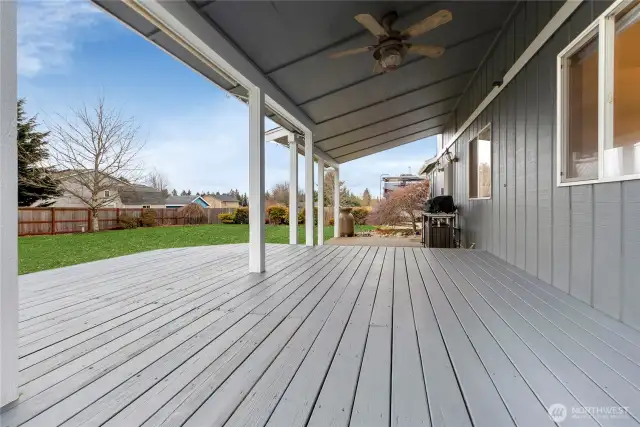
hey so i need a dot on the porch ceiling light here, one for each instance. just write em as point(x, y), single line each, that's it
point(390, 58)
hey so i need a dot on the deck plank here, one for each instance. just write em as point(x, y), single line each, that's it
point(298, 372)
point(265, 378)
point(188, 396)
point(408, 390)
point(580, 383)
point(334, 404)
point(328, 336)
point(522, 403)
point(484, 402)
point(446, 404)
point(372, 402)
point(165, 332)
point(609, 336)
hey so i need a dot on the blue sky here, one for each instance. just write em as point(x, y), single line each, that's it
point(70, 53)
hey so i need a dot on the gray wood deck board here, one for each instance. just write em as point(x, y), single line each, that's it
point(483, 401)
point(328, 336)
point(334, 403)
point(444, 396)
point(372, 402)
point(408, 391)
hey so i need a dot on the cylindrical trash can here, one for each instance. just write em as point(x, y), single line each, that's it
point(346, 222)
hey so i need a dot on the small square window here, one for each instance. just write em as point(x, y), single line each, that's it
point(480, 165)
point(107, 193)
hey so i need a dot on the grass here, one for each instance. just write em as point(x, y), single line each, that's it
point(45, 252)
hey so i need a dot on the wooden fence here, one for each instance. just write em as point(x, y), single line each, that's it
point(36, 221)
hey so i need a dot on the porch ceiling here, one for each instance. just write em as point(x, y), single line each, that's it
point(356, 113)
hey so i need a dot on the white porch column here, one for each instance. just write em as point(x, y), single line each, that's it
point(320, 201)
point(9, 205)
point(336, 202)
point(256, 180)
point(308, 188)
point(293, 190)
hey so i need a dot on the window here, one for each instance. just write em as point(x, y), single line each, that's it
point(106, 193)
point(480, 165)
point(146, 207)
point(599, 100)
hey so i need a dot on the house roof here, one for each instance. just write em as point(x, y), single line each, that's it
point(225, 197)
point(182, 200)
point(141, 195)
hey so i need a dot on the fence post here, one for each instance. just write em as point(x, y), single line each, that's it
point(53, 220)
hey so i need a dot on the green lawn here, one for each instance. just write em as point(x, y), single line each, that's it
point(45, 252)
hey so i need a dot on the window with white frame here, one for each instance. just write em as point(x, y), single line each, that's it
point(599, 100)
point(479, 165)
point(107, 193)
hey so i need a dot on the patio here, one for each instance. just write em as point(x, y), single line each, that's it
point(328, 335)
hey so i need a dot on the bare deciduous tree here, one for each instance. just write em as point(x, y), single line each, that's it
point(95, 153)
point(402, 205)
point(158, 180)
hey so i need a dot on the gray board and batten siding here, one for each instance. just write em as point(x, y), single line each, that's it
point(584, 240)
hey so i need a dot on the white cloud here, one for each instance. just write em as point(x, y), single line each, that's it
point(47, 33)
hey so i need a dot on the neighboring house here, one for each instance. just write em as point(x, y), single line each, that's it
point(392, 183)
point(71, 188)
point(141, 196)
point(180, 201)
point(222, 201)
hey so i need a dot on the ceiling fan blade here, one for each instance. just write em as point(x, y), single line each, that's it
point(370, 23)
point(426, 50)
point(377, 68)
point(428, 24)
point(350, 52)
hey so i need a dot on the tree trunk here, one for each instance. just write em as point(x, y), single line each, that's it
point(94, 222)
point(413, 224)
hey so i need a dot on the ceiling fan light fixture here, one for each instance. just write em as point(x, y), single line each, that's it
point(390, 58)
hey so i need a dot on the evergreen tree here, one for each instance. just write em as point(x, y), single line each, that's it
point(183, 193)
point(188, 192)
point(35, 180)
point(366, 197)
point(174, 192)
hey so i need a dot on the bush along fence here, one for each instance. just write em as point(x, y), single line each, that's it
point(279, 215)
point(39, 221)
point(42, 221)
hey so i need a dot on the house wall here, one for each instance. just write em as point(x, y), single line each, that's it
point(584, 240)
point(69, 200)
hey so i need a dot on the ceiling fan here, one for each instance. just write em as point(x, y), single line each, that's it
point(392, 45)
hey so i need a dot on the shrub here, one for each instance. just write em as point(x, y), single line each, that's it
point(193, 213)
point(128, 221)
point(147, 218)
point(277, 214)
point(360, 215)
point(331, 222)
point(241, 216)
point(301, 216)
point(226, 218)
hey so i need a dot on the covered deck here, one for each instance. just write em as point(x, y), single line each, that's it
point(328, 335)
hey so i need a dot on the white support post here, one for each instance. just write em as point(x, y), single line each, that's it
point(9, 205)
point(336, 202)
point(293, 190)
point(256, 180)
point(320, 202)
point(308, 188)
